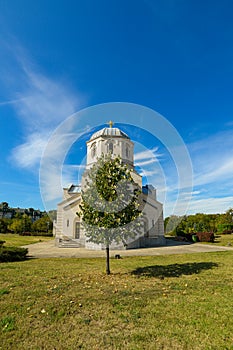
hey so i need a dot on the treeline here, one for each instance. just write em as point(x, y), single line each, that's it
point(24, 221)
point(189, 224)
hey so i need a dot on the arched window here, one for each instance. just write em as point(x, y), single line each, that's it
point(127, 151)
point(93, 150)
point(77, 229)
point(110, 147)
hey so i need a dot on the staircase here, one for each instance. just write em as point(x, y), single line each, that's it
point(68, 243)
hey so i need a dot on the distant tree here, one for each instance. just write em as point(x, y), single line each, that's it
point(171, 223)
point(225, 221)
point(43, 224)
point(110, 201)
point(20, 224)
point(3, 226)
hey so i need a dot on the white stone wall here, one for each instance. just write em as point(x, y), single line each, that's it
point(122, 147)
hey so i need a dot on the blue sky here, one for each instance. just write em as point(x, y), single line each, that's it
point(172, 56)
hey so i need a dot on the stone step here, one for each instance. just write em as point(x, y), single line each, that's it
point(69, 244)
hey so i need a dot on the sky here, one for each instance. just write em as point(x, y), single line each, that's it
point(174, 57)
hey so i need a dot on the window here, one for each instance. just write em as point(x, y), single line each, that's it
point(93, 150)
point(110, 147)
point(67, 223)
point(77, 229)
point(127, 151)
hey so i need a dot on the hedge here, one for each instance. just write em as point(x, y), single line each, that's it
point(205, 236)
point(9, 254)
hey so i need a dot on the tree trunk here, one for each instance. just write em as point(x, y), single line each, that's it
point(107, 261)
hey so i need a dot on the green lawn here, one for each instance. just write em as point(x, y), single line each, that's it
point(223, 240)
point(17, 240)
point(160, 302)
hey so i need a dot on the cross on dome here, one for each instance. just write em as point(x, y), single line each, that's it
point(110, 123)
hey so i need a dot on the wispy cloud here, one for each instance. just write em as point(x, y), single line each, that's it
point(147, 154)
point(41, 103)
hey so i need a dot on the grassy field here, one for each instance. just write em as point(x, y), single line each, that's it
point(224, 240)
point(161, 302)
point(17, 240)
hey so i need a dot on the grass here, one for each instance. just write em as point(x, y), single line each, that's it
point(223, 240)
point(17, 240)
point(160, 302)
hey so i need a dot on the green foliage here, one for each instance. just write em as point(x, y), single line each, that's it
point(8, 254)
point(110, 201)
point(43, 224)
point(186, 225)
point(42, 234)
point(22, 224)
point(3, 225)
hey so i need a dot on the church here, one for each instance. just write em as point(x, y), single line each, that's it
point(68, 230)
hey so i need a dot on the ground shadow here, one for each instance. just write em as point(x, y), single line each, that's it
point(173, 270)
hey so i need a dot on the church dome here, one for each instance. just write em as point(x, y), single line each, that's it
point(113, 132)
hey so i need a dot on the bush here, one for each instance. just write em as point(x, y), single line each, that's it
point(25, 233)
point(205, 236)
point(9, 254)
point(44, 234)
point(227, 232)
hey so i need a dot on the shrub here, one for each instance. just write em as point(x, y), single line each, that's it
point(227, 232)
point(44, 234)
point(205, 236)
point(25, 234)
point(8, 254)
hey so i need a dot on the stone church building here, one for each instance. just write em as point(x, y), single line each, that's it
point(68, 230)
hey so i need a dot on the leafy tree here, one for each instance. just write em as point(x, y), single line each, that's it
point(110, 202)
point(3, 226)
point(20, 224)
point(43, 224)
point(171, 223)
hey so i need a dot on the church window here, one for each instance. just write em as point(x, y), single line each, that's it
point(127, 151)
point(67, 222)
point(93, 150)
point(110, 147)
point(77, 229)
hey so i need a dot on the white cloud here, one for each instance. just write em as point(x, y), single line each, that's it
point(29, 153)
point(148, 172)
point(221, 172)
point(42, 104)
point(147, 154)
point(145, 162)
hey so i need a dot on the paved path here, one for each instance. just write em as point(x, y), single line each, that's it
point(49, 250)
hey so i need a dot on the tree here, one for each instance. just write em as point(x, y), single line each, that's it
point(3, 226)
point(110, 204)
point(43, 224)
point(20, 224)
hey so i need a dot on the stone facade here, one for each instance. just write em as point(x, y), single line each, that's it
point(68, 229)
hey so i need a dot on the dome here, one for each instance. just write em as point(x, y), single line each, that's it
point(113, 132)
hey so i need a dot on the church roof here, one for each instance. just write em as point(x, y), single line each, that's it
point(113, 132)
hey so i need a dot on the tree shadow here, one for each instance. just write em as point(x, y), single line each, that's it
point(173, 270)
